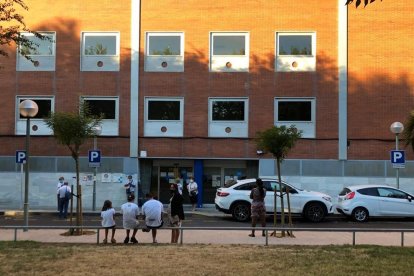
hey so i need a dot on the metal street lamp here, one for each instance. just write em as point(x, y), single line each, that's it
point(27, 109)
point(397, 128)
point(97, 130)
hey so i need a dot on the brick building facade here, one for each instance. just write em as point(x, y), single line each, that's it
point(187, 85)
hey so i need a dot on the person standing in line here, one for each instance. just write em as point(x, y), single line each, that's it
point(179, 186)
point(59, 184)
point(108, 220)
point(64, 193)
point(192, 192)
point(258, 209)
point(129, 213)
point(176, 211)
point(130, 186)
point(152, 211)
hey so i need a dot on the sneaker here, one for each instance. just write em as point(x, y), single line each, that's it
point(113, 240)
point(126, 240)
point(134, 240)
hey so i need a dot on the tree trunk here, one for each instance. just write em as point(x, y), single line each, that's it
point(290, 233)
point(282, 205)
point(79, 218)
point(275, 208)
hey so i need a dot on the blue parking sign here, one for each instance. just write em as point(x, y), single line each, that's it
point(94, 158)
point(20, 156)
point(398, 158)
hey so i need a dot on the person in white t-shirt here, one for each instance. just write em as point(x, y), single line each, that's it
point(59, 184)
point(152, 210)
point(130, 212)
point(192, 188)
point(108, 220)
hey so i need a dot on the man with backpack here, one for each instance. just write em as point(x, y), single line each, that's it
point(65, 194)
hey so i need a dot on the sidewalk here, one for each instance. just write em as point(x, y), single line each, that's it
point(213, 236)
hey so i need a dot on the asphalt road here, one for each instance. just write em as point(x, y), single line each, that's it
point(197, 220)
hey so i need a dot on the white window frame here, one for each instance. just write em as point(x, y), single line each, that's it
point(110, 127)
point(100, 62)
point(164, 128)
point(164, 63)
point(37, 126)
point(230, 63)
point(40, 62)
point(228, 128)
point(295, 63)
point(308, 128)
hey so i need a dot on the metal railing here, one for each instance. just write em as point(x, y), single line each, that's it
point(188, 228)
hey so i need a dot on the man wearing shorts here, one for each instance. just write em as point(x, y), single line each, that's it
point(152, 210)
point(129, 212)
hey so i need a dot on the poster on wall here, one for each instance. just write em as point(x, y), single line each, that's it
point(118, 178)
point(106, 177)
point(86, 179)
point(216, 180)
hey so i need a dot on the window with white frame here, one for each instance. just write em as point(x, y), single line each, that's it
point(37, 125)
point(228, 117)
point(229, 52)
point(108, 108)
point(164, 116)
point(295, 51)
point(299, 112)
point(100, 51)
point(164, 52)
point(41, 51)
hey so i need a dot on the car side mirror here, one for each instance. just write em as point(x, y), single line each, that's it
point(293, 191)
point(409, 198)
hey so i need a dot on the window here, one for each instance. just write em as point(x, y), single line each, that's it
point(299, 112)
point(42, 53)
point(100, 51)
point(295, 51)
point(229, 52)
point(108, 107)
point(164, 117)
point(228, 117)
point(37, 125)
point(164, 52)
point(369, 191)
point(246, 187)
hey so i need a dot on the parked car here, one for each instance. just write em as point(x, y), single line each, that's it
point(364, 201)
point(234, 199)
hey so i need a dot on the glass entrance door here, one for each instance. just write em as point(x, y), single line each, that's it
point(169, 175)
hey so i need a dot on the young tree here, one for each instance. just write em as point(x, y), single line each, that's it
point(279, 141)
point(11, 24)
point(358, 2)
point(72, 129)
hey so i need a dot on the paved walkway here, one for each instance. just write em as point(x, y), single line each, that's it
point(220, 236)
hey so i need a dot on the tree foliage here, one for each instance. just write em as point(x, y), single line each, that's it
point(408, 133)
point(359, 2)
point(72, 129)
point(12, 24)
point(279, 141)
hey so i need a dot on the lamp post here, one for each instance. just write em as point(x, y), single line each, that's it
point(397, 128)
point(97, 130)
point(27, 109)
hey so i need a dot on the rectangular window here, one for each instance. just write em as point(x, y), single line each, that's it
point(100, 51)
point(229, 52)
point(42, 52)
point(164, 45)
point(164, 117)
point(37, 125)
point(96, 44)
point(40, 47)
point(295, 111)
point(228, 110)
point(295, 51)
point(295, 45)
point(228, 117)
point(224, 45)
point(299, 112)
point(164, 110)
point(108, 107)
point(164, 52)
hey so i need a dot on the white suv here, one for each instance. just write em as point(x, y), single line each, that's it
point(235, 199)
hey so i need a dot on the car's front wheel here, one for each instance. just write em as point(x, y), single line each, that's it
point(315, 212)
point(241, 211)
point(360, 214)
